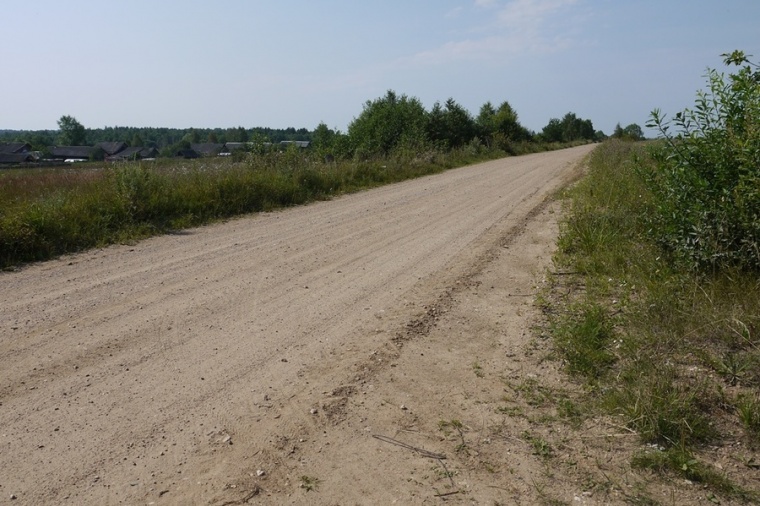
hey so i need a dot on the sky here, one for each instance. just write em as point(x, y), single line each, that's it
point(299, 63)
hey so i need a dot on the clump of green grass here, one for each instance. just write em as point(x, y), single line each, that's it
point(682, 462)
point(585, 339)
point(736, 368)
point(571, 411)
point(661, 407)
point(541, 446)
point(309, 483)
point(533, 392)
point(748, 410)
point(446, 425)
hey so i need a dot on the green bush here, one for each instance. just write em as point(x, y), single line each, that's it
point(706, 183)
point(388, 123)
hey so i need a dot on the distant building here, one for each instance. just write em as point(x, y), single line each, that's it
point(207, 148)
point(231, 147)
point(111, 148)
point(15, 147)
point(133, 153)
point(71, 152)
point(298, 144)
point(18, 158)
point(187, 153)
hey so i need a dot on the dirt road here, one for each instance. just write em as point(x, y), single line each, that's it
point(254, 361)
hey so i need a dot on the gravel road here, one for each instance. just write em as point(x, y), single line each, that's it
point(161, 372)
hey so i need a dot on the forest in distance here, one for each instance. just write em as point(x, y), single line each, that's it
point(383, 124)
point(46, 213)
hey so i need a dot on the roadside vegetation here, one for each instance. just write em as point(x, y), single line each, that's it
point(655, 305)
point(48, 212)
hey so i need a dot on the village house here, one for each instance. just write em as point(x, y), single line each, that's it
point(207, 148)
point(133, 153)
point(15, 147)
point(111, 148)
point(17, 153)
point(78, 153)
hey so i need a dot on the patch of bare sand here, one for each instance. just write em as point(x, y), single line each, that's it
point(460, 406)
point(466, 405)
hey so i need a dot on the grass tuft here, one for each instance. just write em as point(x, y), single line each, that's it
point(585, 339)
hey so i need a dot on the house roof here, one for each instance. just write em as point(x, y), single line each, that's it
point(15, 147)
point(17, 157)
point(188, 153)
point(111, 148)
point(134, 152)
point(235, 146)
point(126, 154)
point(71, 151)
point(207, 148)
point(299, 144)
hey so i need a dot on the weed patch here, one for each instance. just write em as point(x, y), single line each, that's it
point(309, 483)
point(585, 339)
point(540, 446)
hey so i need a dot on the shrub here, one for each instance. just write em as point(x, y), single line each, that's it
point(706, 183)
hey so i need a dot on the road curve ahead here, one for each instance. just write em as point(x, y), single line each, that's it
point(150, 372)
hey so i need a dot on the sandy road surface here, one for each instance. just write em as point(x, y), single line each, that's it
point(173, 370)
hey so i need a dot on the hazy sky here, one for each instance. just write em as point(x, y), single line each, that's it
point(227, 63)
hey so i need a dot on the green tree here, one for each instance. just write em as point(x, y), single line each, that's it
point(41, 141)
point(506, 123)
point(633, 132)
point(388, 123)
point(587, 130)
point(450, 126)
point(486, 122)
point(323, 139)
point(569, 128)
point(71, 132)
point(553, 130)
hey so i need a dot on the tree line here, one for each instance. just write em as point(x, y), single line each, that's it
point(396, 121)
point(393, 121)
point(167, 140)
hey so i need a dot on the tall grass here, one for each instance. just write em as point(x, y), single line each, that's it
point(49, 212)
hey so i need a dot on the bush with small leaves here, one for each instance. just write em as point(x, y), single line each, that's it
point(706, 182)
